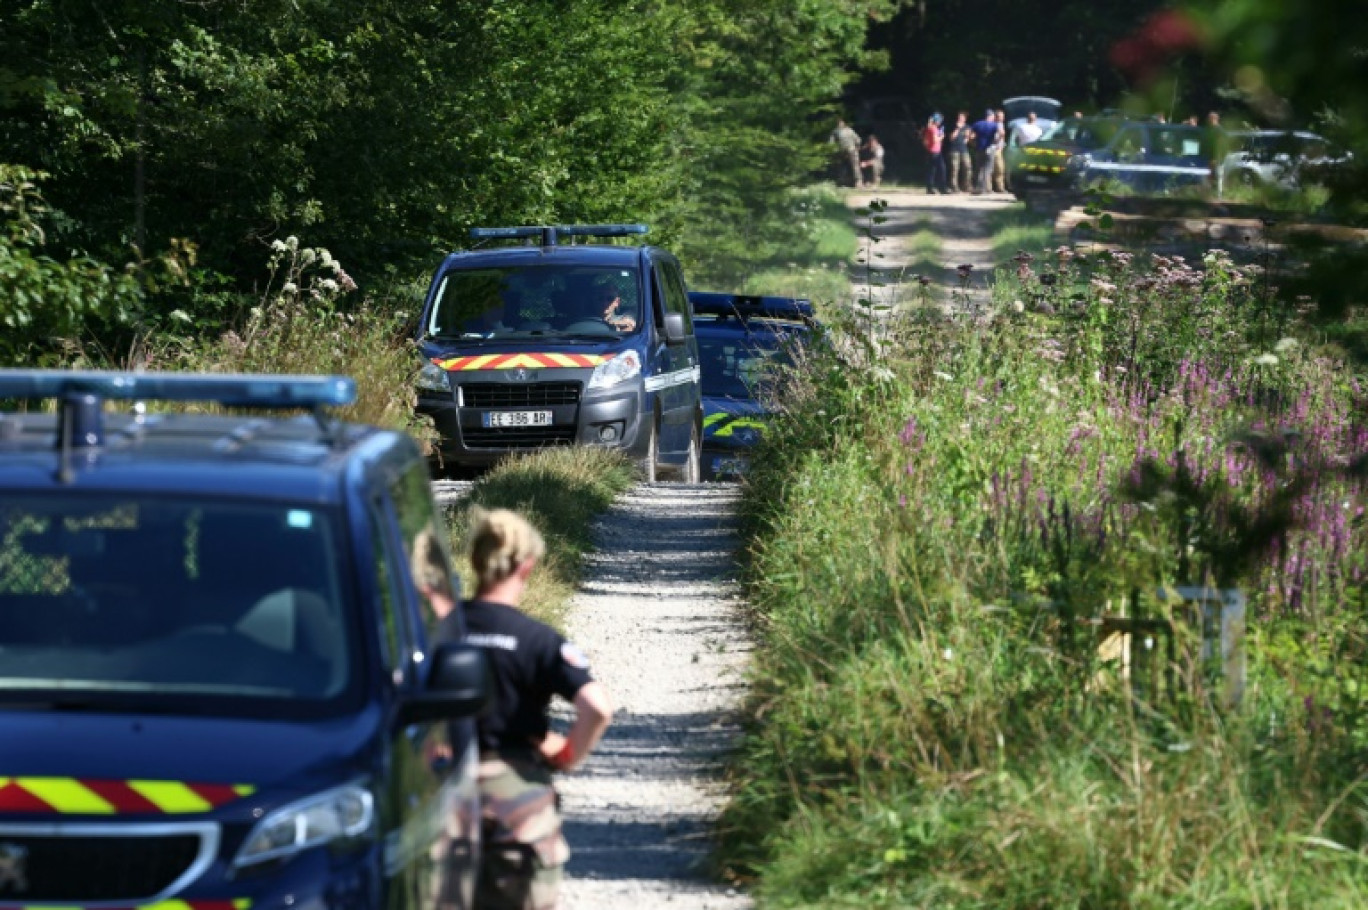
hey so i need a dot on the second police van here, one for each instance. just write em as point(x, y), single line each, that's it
point(544, 343)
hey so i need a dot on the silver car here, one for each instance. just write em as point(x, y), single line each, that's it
point(1282, 158)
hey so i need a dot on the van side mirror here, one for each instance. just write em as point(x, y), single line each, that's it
point(458, 686)
point(676, 331)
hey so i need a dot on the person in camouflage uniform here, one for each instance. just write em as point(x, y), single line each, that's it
point(524, 850)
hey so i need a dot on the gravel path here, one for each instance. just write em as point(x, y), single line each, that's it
point(658, 614)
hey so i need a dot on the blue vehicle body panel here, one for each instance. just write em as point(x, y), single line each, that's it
point(425, 835)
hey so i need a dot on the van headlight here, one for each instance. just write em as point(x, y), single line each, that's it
point(338, 814)
point(620, 368)
point(432, 378)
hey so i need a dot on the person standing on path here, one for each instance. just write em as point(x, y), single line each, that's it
point(999, 155)
point(875, 160)
point(1214, 145)
point(933, 137)
point(524, 851)
point(961, 163)
point(985, 132)
point(848, 142)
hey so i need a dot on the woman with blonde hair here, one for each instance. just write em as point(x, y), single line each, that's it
point(524, 850)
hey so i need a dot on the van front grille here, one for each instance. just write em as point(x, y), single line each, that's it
point(75, 869)
point(517, 437)
point(519, 394)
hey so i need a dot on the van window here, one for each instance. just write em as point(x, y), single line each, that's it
point(392, 626)
point(194, 603)
point(676, 297)
point(425, 544)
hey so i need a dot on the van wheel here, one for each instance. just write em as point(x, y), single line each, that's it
point(649, 468)
point(693, 468)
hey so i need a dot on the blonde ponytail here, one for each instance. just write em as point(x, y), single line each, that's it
point(502, 541)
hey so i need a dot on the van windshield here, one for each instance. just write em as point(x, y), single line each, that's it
point(536, 301)
point(743, 367)
point(153, 604)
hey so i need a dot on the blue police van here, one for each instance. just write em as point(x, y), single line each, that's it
point(743, 342)
point(544, 342)
point(217, 690)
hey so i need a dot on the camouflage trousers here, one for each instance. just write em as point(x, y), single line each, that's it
point(524, 851)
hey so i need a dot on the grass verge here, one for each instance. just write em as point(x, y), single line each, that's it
point(1017, 228)
point(936, 529)
point(560, 491)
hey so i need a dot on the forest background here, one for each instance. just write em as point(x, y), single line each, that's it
point(153, 152)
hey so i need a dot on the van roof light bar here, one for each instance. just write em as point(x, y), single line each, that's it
point(83, 392)
point(550, 234)
point(239, 390)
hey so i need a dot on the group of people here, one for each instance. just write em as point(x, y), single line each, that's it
point(859, 156)
point(970, 158)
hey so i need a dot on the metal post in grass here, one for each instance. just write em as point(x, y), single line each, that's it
point(1218, 616)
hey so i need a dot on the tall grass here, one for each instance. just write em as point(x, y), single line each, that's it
point(934, 534)
point(561, 491)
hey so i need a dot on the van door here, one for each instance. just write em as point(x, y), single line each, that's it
point(433, 764)
point(681, 392)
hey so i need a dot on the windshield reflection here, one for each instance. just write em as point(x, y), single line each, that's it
point(536, 301)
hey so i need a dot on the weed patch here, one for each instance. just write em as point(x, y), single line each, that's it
point(935, 532)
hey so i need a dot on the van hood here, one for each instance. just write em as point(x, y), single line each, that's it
point(576, 352)
point(52, 762)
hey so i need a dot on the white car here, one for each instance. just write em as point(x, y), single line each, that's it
point(1281, 158)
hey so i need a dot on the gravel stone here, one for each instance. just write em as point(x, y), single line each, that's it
point(658, 612)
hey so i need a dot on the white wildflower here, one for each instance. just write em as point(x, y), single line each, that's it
point(1018, 306)
point(278, 246)
point(307, 256)
point(290, 288)
point(292, 242)
point(939, 375)
point(1266, 360)
point(328, 285)
point(1285, 345)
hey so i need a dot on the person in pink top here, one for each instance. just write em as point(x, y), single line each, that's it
point(933, 138)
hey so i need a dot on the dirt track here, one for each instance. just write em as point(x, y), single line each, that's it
point(658, 612)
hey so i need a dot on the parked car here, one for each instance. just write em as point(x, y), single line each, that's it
point(742, 341)
point(1040, 166)
point(219, 690)
point(562, 344)
point(1145, 157)
point(1278, 158)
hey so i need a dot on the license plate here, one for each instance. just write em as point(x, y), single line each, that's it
point(1034, 178)
point(516, 418)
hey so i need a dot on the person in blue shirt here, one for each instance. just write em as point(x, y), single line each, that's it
point(985, 135)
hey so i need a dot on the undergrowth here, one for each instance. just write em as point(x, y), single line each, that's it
point(938, 524)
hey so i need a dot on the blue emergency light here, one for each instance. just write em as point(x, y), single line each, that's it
point(239, 390)
point(550, 233)
point(743, 306)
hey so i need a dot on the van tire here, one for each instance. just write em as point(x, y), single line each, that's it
point(693, 466)
point(650, 464)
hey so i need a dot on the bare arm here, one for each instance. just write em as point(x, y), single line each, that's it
point(593, 714)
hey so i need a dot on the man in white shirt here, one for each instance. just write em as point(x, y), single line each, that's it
point(1028, 130)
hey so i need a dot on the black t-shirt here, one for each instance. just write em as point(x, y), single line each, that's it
point(530, 661)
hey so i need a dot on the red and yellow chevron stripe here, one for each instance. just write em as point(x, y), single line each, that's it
point(71, 796)
point(513, 361)
point(241, 903)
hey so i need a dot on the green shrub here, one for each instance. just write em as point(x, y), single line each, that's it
point(935, 530)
